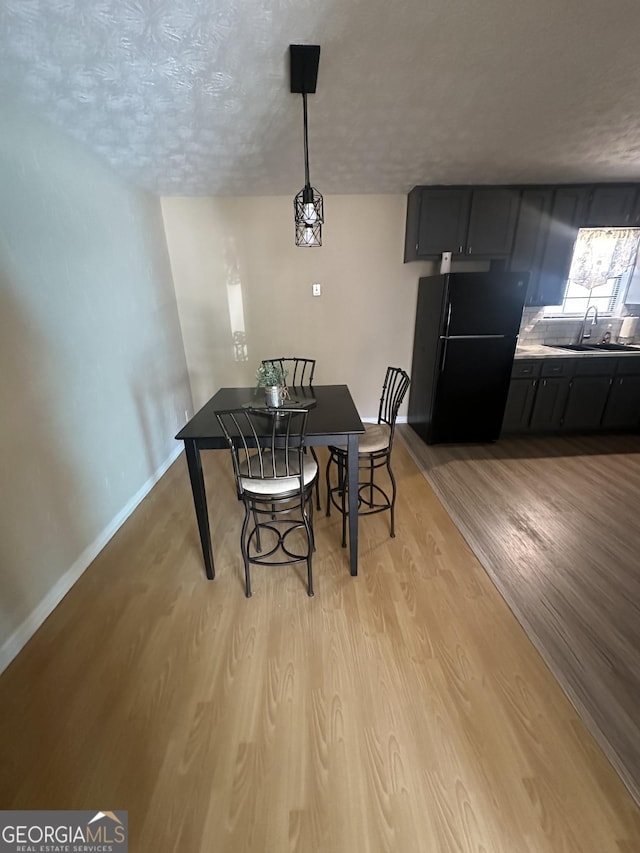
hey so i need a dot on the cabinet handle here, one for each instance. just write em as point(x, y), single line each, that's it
point(459, 250)
point(534, 383)
point(469, 250)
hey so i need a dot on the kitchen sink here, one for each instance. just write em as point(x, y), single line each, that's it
point(594, 347)
point(614, 347)
point(572, 347)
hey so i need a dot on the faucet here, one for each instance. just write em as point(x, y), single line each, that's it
point(583, 334)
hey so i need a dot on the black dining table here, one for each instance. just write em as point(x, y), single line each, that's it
point(332, 420)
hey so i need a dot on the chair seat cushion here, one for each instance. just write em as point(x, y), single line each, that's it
point(280, 485)
point(375, 438)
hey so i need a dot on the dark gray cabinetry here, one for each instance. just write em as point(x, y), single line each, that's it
point(573, 395)
point(537, 395)
point(548, 406)
point(612, 206)
point(567, 216)
point(492, 222)
point(548, 224)
point(534, 220)
point(437, 221)
point(469, 222)
point(622, 411)
point(588, 392)
point(522, 392)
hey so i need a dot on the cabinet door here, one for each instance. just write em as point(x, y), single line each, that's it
point(549, 404)
point(519, 405)
point(492, 221)
point(530, 237)
point(612, 206)
point(567, 216)
point(585, 402)
point(443, 217)
point(623, 406)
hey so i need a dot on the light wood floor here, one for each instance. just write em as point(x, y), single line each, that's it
point(554, 521)
point(404, 710)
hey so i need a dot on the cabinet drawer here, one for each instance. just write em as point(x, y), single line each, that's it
point(628, 365)
point(593, 366)
point(557, 367)
point(526, 368)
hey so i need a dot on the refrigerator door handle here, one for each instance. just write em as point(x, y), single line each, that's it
point(448, 322)
point(472, 337)
point(444, 354)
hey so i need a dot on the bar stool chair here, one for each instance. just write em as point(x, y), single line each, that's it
point(374, 452)
point(299, 373)
point(274, 480)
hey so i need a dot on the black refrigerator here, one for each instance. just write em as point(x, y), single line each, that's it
point(465, 336)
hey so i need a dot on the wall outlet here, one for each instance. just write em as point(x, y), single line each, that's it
point(316, 289)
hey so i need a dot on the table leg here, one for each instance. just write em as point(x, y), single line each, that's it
point(200, 500)
point(352, 478)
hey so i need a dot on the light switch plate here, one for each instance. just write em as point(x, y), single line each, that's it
point(316, 289)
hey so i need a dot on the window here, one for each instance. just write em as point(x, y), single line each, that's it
point(601, 268)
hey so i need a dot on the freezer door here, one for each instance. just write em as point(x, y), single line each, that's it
point(484, 303)
point(471, 390)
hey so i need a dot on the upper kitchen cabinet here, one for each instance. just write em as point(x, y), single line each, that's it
point(534, 221)
point(437, 221)
point(469, 222)
point(613, 206)
point(548, 225)
point(567, 217)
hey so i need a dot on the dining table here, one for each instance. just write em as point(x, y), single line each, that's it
point(332, 419)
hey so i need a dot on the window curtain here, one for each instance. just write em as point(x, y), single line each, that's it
point(601, 254)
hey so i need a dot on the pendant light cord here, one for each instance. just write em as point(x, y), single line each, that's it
point(306, 143)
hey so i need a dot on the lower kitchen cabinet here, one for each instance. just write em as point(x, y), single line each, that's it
point(622, 410)
point(517, 412)
point(622, 407)
point(588, 392)
point(573, 395)
point(522, 392)
point(549, 404)
point(585, 403)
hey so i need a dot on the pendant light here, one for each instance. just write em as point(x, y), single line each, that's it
point(308, 205)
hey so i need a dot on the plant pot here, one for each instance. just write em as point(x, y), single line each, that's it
point(275, 395)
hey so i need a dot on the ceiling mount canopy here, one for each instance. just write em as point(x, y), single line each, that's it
point(308, 205)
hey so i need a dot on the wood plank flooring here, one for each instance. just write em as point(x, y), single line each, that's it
point(402, 710)
point(554, 521)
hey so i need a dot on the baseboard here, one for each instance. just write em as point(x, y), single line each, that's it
point(20, 637)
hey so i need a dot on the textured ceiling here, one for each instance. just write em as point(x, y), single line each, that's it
point(191, 97)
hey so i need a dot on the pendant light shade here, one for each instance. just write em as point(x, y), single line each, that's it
point(308, 209)
point(308, 205)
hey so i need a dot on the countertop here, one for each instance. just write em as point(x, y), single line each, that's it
point(542, 351)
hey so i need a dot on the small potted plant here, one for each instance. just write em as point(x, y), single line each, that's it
point(272, 377)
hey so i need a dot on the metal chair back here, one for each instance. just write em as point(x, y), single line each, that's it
point(265, 444)
point(394, 388)
point(299, 370)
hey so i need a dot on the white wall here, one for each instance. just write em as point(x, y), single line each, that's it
point(93, 379)
point(244, 290)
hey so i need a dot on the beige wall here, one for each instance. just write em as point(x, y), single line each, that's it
point(244, 290)
point(93, 380)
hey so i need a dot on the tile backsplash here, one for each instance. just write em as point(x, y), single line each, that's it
point(538, 329)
